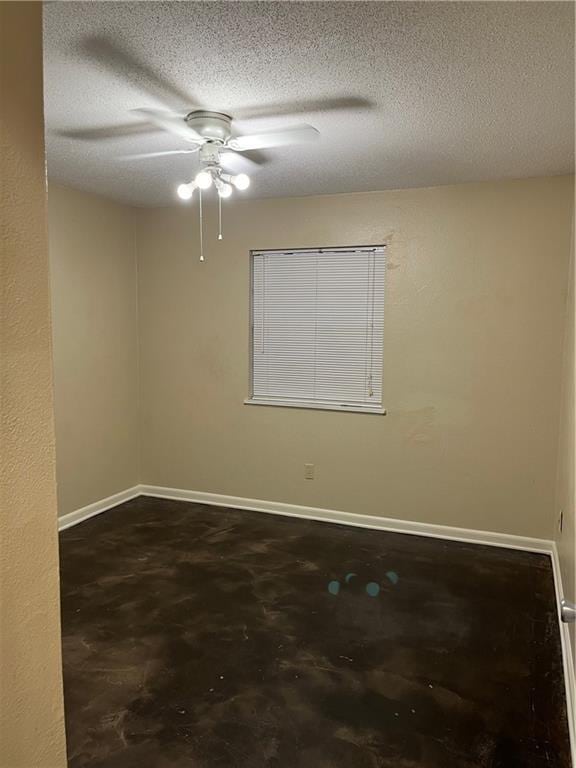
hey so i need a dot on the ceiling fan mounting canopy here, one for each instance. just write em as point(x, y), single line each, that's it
point(212, 126)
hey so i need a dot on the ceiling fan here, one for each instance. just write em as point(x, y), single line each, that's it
point(225, 155)
point(212, 136)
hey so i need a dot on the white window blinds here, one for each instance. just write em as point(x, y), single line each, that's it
point(317, 328)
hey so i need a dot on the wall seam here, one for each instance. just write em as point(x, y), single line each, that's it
point(138, 351)
point(556, 535)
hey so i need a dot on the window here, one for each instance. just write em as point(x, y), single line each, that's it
point(317, 318)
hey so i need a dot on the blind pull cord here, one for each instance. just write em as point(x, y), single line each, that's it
point(372, 309)
point(219, 218)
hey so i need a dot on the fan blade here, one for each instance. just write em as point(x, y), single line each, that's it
point(299, 134)
point(303, 107)
point(166, 153)
point(125, 65)
point(108, 131)
point(235, 163)
point(171, 122)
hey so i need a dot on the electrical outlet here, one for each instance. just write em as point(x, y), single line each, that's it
point(309, 471)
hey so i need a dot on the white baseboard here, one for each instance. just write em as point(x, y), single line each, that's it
point(489, 538)
point(351, 518)
point(79, 515)
point(567, 657)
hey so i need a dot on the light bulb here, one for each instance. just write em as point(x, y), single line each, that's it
point(241, 181)
point(185, 191)
point(203, 179)
point(224, 190)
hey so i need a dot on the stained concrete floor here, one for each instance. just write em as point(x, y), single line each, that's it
point(204, 637)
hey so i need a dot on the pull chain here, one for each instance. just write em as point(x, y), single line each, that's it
point(201, 227)
point(219, 218)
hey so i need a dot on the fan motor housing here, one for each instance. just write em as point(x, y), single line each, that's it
point(213, 126)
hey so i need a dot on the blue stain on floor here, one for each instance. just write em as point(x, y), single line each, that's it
point(373, 589)
point(334, 587)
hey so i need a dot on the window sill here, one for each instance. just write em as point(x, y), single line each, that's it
point(317, 406)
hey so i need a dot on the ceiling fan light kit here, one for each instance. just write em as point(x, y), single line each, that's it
point(185, 191)
point(241, 181)
point(203, 179)
point(212, 174)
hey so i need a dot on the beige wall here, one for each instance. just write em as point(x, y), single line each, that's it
point(93, 266)
point(566, 500)
point(31, 711)
point(473, 345)
point(473, 348)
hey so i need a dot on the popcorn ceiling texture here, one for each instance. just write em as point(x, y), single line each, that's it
point(455, 92)
point(31, 708)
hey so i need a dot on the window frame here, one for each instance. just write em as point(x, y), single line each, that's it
point(317, 405)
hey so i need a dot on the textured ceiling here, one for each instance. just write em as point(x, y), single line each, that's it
point(404, 94)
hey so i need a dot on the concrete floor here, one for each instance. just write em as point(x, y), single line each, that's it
point(204, 637)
